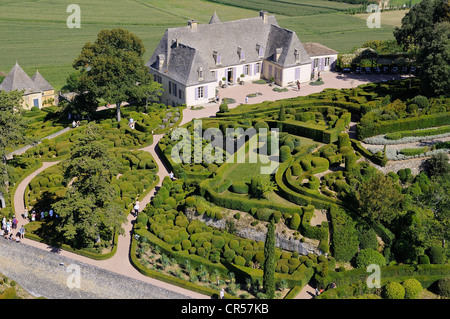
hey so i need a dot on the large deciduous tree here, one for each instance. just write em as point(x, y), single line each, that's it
point(379, 199)
point(88, 212)
point(425, 31)
point(113, 68)
point(12, 126)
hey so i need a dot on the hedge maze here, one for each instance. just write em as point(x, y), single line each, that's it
point(193, 219)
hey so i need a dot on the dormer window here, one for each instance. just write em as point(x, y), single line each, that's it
point(200, 74)
point(297, 56)
point(241, 54)
point(278, 54)
point(217, 58)
point(259, 49)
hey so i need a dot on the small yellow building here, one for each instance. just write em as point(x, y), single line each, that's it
point(37, 91)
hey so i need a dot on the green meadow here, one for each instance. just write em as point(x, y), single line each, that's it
point(34, 33)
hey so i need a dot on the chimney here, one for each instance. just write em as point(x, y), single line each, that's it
point(175, 43)
point(263, 15)
point(161, 58)
point(193, 24)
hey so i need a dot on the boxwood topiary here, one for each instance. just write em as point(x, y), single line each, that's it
point(443, 287)
point(218, 242)
point(393, 290)
point(367, 257)
point(412, 288)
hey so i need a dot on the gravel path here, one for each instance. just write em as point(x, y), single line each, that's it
point(49, 275)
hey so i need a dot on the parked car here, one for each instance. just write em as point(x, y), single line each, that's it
point(404, 70)
point(413, 70)
point(346, 70)
point(394, 70)
point(377, 70)
point(385, 69)
point(358, 69)
point(368, 70)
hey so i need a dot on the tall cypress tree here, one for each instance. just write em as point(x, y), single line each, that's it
point(269, 262)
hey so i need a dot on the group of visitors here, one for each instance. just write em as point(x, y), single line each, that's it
point(75, 124)
point(8, 227)
point(40, 215)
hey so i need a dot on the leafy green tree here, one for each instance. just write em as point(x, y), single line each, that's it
point(261, 186)
point(417, 25)
point(113, 68)
point(269, 261)
point(379, 199)
point(87, 213)
point(12, 126)
point(425, 30)
point(438, 165)
point(434, 60)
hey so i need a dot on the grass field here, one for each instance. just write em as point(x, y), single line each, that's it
point(34, 32)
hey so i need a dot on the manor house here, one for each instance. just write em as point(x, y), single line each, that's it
point(192, 61)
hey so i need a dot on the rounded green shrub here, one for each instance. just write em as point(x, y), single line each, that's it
point(186, 244)
point(229, 254)
point(369, 256)
point(294, 222)
point(264, 214)
point(424, 260)
point(239, 187)
point(259, 257)
point(190, 201)
point(296, 169)
point(393, 290)
point(218, 242)
point(443, 287)
point(437, 254)
point(412, 288)
point(285, 153)
point(239, 260)
point(233, 244)
point(201, 251)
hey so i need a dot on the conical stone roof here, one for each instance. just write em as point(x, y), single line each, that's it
point(214, 18)
point(17, 79)
point(41, 82)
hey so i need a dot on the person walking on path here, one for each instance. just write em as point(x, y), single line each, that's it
point(136, 208)
point(22, 232)
point(298, 85)
point(14, 222)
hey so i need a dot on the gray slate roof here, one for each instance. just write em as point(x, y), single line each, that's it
point(186, 50)
point(41, 82)
point(316, 49)
point(17, 79)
